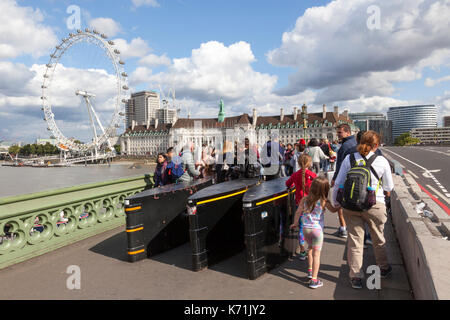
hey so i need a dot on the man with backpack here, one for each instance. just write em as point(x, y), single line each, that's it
point(348, 141)
point(363, 181)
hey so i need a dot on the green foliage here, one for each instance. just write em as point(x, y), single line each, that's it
point(14, 149)
point(118, 148)
point(406, 140)
point(34, 149)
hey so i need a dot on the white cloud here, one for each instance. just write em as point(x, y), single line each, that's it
point(137, 48)
point(148, 3)
point(432, 82)
point(333, 50)
point(214, 71)
point(70, 110)
point(153, 60)
point(106, 25)
point(14, 76)
point(139, 76)
point(22, 31)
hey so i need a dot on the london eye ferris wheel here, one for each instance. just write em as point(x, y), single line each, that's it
point(85, 82)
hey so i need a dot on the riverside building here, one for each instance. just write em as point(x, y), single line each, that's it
point(153, 138)
point(439, 135)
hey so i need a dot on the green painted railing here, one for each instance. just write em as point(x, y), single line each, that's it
point(33, 224)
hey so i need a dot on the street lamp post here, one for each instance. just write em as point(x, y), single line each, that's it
point(305, 120)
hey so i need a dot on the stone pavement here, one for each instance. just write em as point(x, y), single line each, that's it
point(105, 274)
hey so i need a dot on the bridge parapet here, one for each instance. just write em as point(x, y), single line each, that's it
point(33, 224)
point(423, 240)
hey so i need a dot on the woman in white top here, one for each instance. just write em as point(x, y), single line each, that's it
point(316, 153)
point(375, 217)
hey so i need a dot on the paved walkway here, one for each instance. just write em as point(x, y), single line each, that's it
point(105, 274)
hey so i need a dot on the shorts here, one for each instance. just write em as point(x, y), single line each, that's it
point(314, 238)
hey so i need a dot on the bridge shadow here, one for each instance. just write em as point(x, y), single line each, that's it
point(114, 247)
point(181, 257)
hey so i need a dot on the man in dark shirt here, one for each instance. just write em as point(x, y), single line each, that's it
point(348, 142)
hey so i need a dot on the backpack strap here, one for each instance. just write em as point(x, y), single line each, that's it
point(352, 160)
point(369, 164)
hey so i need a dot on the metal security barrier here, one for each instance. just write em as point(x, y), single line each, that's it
point(156, 219)
point(269, 209)
point(216, 224)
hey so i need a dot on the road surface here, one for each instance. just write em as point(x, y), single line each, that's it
point(429, 166)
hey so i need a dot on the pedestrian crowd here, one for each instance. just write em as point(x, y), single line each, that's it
point(358, 192)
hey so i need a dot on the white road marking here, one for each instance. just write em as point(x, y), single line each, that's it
point(438, 193)
point(426, 174)
point(412, 173)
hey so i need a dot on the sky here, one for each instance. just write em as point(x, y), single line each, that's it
point(361, 55)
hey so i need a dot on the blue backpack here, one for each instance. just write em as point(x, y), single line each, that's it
point(175, 169)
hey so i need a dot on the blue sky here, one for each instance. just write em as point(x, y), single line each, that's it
point(255, 54)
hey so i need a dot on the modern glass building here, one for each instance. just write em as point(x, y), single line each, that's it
point(367, 116)
point(408, 117)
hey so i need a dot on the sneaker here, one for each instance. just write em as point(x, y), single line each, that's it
point(342, 233)
point(314, 284)
point(384, 273)
point(303, 255)
point(356, 283)
point(297, 250)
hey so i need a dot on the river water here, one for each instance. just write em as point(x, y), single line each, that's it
point(23, 180)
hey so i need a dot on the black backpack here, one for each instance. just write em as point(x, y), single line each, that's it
point(355, 193)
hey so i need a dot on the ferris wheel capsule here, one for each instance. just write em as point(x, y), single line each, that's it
point(71, 35)
point(95, 31)
point(104, 36)
point(124, 74)
point(121, 62)
point(111, 43)
point(87, 30)
point(116, 51)
point(125, 88)
point(79, 31)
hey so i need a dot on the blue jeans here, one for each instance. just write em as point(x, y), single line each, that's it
point(325, 164)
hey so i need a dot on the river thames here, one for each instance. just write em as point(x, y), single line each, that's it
point(23, 180)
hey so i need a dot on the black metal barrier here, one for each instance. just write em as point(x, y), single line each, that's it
point(156, 219)
point(216, 225)
point(269, 210)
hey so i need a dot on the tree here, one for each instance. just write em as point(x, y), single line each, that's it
point(14, 150)
point(118, 148)
point(405, 139)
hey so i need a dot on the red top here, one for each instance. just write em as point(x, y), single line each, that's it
point(296, 179)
